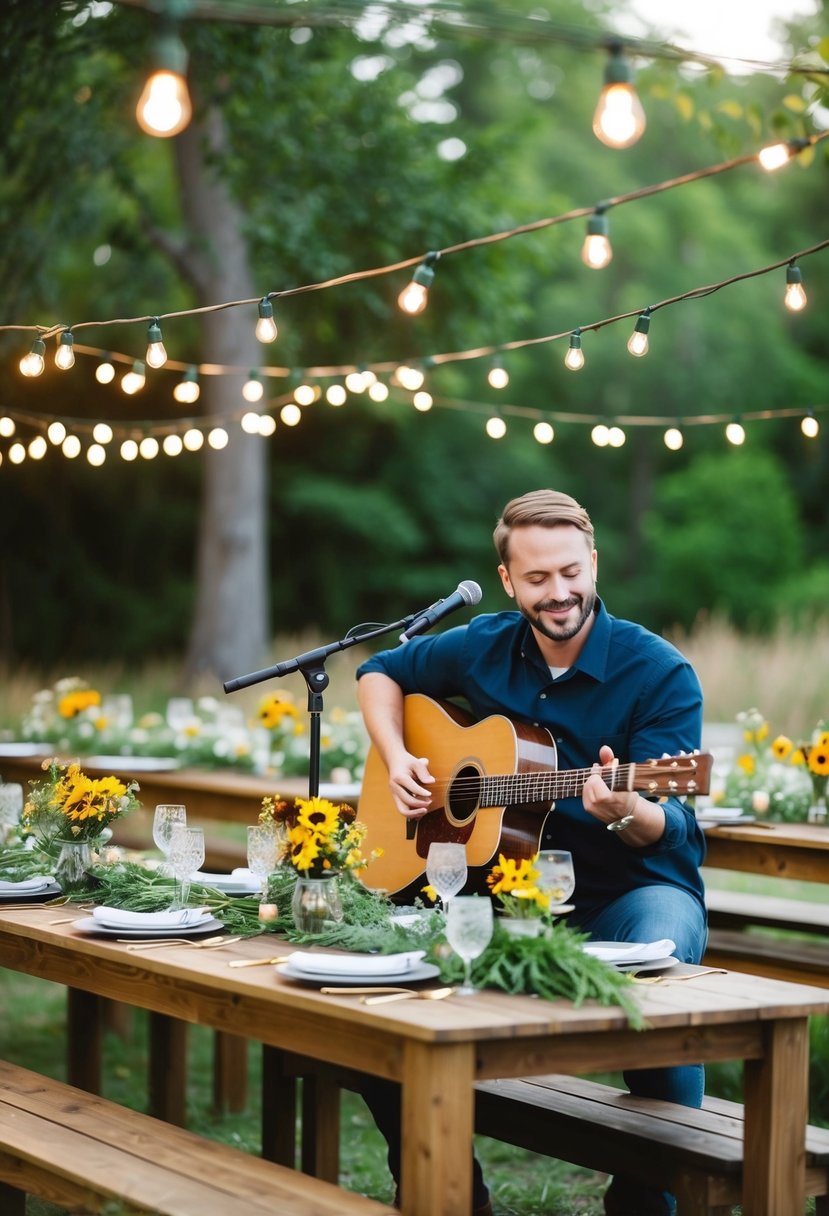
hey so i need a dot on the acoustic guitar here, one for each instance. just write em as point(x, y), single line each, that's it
point(495, 781)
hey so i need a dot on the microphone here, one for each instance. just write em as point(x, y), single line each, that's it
point(465, 594)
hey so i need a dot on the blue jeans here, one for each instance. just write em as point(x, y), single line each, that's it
point(648, 914)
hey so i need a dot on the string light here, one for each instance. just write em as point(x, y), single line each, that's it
point(34, 362)
point(291, 414)
point(410, 378)
point(7, 427)
point(336, 395)
point(56, 433)
point(306, 394)
point(17, 453)
point(172, 445)
point(356, 382)
point(543, 432)
point(105, 372)
point(619, 120)
point(498, 376)
point(156, 353)
point(187, 391)
point(266, 330)
point(267, 425)
point(638, 340)
point(735, 433)
point(673, 438)
point(193, 439)
point(776, 155)
point(600, 435)
point(495, 427)
point(414, 297)
point(71, 447)
point(133, 381)
point(795, 298)
point(423, 401)
point(218, 438)
point(253, 389)
point(102, 432)
point(809, 425)
point(96, 455)
point(249, 422)
point(38, 447)
point(65, 354)
point(378, 391)
point(574, 359)
point(148, 447)
point(129, 450)
point(596, 252)
point(615, 436)
point(164, 107)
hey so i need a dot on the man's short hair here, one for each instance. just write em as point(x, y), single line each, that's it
point(544, 508)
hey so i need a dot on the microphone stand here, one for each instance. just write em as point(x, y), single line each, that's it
point(312, 666)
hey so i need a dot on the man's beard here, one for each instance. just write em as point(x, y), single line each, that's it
point(562, 633)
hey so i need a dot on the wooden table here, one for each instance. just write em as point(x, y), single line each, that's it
point(782, 850)
point(437, 1050)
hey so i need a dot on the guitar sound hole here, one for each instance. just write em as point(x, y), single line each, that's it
point(464, 794)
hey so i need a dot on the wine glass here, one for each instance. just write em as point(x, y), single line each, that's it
point(167, 816)
point(11, 808)
point(265, 842)
point(468, 930)
point(179, 712)
point(556, 875)
point(186, 856)
point(446, 869)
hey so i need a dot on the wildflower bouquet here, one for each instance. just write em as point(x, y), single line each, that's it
point(515, 885)
point(774, 777)
point(321, 838)
point(67, 715)
point(69, 805)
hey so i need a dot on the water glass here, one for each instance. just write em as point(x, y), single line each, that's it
point(556, 875)
point(11, 808)
point(468, 930)
point(265, 843)
point(446, 868)
point(179, 712)
point(167, 816)
point(186, 856)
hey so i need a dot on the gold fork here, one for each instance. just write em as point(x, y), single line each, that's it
point(155, 943)
point(428, 994)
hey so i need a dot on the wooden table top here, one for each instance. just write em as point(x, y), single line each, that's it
point(438, 1049)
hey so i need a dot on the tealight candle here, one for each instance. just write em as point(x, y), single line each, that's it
point(760, 801)
point(268, 912)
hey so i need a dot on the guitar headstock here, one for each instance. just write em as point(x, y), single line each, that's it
point(688, 773)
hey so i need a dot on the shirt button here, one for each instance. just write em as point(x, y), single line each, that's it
point(544, 696)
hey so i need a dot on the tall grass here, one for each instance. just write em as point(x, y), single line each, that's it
point(785, 674)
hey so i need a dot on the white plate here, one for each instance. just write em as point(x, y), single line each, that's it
point(424, 971)
point(89, 925)
point(657, 964)
point(629, 952)
point(42, 894)
point(228, 884)
point(27, 886)
point(402, 963)
point(134, 764)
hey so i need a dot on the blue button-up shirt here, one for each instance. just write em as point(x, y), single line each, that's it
point(628, 688)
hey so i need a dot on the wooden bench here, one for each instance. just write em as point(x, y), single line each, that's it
point(696, 1154)
point(738, 936)
point(68, 1147)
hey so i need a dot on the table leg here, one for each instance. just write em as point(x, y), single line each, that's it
point(230, 1072)
point(279, 1106)
point(776, 1092)
point(168, 1068)
point(84, 1020)
point(437, 1125)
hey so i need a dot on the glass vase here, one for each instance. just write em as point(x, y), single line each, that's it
point(316, 903)
point(72, 866)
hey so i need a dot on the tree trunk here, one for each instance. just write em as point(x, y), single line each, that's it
point(229, 631)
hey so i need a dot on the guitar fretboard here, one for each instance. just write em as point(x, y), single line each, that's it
point(514, 788)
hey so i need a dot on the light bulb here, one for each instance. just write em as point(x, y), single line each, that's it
point(33, 363)
point(102, 432)
point(65, 354)
point(7, 427)
point(17, 453)
point(267, 424)
point(498, 376)
point(600, 435)
point(193, 439)
point(619, 119)
point(253, 389)
point(615, 436)
point(543, 432)
point(164, 106)
point(596, 252)
point(673, 438)
point(148, 447)
point(156, 353)
point(409, 377)
point(422, 401)
point(574, 359)
point(774, 156)
point(795, 298)
point(335, 394)
point(134, 380)
point(496, 428)
point(415, 296)
point(266, 330)
point(249, 423)
point(810, 426)
point(56, 433)
point(129, 450)
point(218, 438)
point(290, 414)
point(356, 382)
point(71, 447)
point(96, 455)
point(105, 372)
point(171, 445)
point(378, 391)
point(638, 340)
point(305, 394)
point(38, 447)
point(187, 390)
point(735, 433)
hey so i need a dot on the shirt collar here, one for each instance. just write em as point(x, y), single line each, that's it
point(593, 659)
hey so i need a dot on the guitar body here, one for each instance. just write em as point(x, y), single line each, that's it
point(460, 753)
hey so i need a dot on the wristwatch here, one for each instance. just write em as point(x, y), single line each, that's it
point(619, 825)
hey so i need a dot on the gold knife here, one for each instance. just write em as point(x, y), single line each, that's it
point(258, 962)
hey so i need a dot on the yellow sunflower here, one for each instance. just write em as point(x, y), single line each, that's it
point(781, 747)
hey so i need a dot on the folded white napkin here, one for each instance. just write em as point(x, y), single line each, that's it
point(38, 882)
point(630, 952)
point(121, 918)
point(355, 964)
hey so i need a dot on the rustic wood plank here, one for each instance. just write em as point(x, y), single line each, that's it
point(436, 1167)
point(777, 1102)
point(734, 909)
